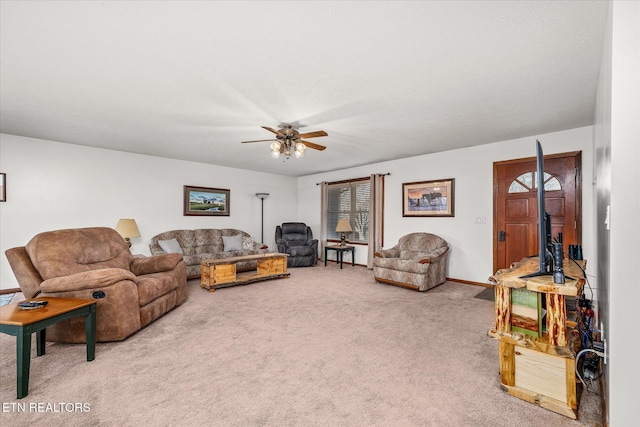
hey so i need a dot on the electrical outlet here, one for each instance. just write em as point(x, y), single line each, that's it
point(480, 220)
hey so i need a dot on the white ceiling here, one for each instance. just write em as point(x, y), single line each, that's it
point(385, 80)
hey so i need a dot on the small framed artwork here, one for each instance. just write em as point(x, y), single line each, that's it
point(3, 187)
point(428, 198)
point(206, 201)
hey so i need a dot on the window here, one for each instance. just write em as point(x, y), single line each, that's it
point(349, 199)
point(528, 182)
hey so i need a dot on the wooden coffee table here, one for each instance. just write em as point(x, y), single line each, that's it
point(22, 323)
point(220, 273)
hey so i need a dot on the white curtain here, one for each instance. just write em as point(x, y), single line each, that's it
point(375, 217)
point(324, 201)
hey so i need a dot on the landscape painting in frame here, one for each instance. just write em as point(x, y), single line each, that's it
point(428, 198)
point(206, 201)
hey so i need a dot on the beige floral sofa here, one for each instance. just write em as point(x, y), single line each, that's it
point(198, 245)
point(418, 261)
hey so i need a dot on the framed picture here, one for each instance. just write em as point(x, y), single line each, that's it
point(206, 201)
point(3, 187)
point(428, 198)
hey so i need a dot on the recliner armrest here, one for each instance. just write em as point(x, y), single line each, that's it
point(155, 264)
point(87, 280)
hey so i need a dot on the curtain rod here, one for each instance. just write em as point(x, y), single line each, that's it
point(353, 179)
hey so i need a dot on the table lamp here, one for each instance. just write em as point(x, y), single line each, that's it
point(343, 227)
point(127, 228)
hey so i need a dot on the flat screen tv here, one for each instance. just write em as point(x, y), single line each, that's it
point(545, 245)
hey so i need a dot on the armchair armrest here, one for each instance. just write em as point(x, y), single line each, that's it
point(282, 242)
point(312, 242)
point(155, 264)
point(86, 280)
point(437, 256)
point(388, 253)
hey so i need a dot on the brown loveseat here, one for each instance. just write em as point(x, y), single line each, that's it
point(131, 292)
point(418, 261)
point(207, 243)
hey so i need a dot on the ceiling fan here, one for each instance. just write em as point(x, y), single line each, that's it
point(289, 139)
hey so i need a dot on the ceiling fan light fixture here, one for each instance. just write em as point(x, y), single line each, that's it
point(289, 141)
point(287, 149)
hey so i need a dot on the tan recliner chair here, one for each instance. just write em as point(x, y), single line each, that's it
point(131, 292)
point(418, 261)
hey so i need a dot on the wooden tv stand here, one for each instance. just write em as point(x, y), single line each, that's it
point(220, 273)
point(540, 370)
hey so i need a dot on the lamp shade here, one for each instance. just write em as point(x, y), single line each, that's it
point(343, 226)
point(127, 228)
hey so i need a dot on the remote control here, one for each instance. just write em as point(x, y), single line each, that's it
point(30, 305)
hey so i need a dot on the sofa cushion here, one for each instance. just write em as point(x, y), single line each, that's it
point(415, 255)
point(421, 242)
point(64, 252)
point(152, 286)
point(232, 243)
point(248, 244)
point(296, 251)
point(406, 265)
point(170, 246)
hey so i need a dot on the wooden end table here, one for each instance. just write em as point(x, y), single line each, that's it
point(340, 250)
point(22, 323)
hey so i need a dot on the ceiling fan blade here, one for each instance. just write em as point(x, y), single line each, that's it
point(314, 146)
point(313, 134)
point(272, 130)
point(258, 140)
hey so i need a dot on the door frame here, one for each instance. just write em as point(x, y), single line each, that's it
point(578, 194)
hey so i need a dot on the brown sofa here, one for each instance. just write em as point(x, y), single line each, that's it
point(131, 292)
point(418, 261)
point(207, 243)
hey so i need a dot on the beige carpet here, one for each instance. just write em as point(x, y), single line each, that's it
point(326, 347)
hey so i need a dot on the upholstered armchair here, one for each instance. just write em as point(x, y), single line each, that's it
point(96, 263)
point(418, 261)
point(296, 239)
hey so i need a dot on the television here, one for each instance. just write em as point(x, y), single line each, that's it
point(545, 244)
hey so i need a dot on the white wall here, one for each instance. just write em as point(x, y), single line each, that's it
point(52, 185)
point(624, 270)
point(471, 244)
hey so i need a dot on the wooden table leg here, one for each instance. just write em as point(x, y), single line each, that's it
point(23, 356)
point(90, 330)
point(41, 338)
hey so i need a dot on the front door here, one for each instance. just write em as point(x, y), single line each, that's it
point(515, 211)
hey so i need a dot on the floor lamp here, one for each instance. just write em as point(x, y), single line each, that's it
point(262, 196)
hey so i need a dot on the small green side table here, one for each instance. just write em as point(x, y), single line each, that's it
point(22, 323)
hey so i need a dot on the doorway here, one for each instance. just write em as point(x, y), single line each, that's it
point(515, 208)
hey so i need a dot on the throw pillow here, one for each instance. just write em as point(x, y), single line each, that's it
point(232, 243)
point(170, 246)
